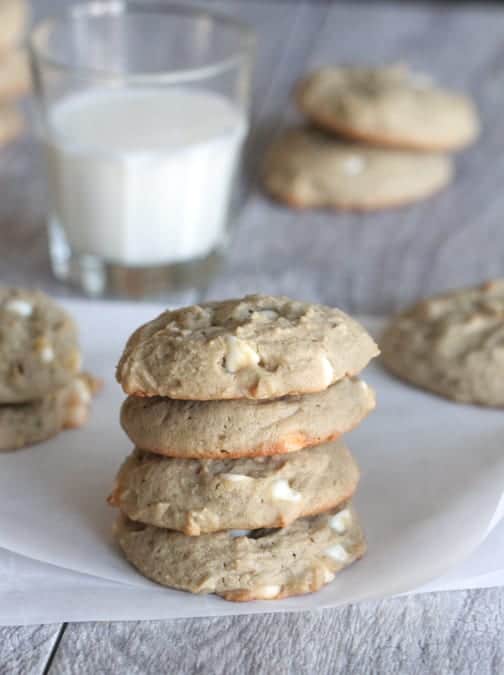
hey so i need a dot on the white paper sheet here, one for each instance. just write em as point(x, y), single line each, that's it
point(432, 480)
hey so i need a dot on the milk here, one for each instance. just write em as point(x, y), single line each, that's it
point(143, 177)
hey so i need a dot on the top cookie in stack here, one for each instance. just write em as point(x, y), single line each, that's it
point(377, 130)
point(14, 73)
point(258, 347)
point(234, 408)
point(41, 388)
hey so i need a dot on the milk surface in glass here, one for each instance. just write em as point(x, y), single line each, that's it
point(141, 176)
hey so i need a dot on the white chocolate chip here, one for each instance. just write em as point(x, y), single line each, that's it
point(80, 391)
point(327, 371)
point(21, 307)
point(236, 477)
point(340, 521)
point(47, 354)
point(354, 165)
point(337, 552)
point(328, 576)
point(267, 592)
point(267, 314)
point(283, 492)
point(159, 509)
point(239, 533)
point(239, 355)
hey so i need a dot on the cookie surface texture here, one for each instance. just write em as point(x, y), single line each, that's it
point(388, 106)
point(305, 168)
point(198, 497)
point(242, 427)
point(39, 349)
point(14, 15)
point(256, 347)
point(14, 75)
point(24, 424)
point(452, 344)
point(263, 565)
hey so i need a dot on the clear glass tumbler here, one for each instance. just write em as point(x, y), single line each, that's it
point(144, 112)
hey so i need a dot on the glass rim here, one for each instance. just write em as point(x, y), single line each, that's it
point(101, 8)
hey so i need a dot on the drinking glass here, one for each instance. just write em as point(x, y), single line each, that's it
point(143, 113)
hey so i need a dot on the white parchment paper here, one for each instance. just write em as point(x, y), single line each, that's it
point(432, 481)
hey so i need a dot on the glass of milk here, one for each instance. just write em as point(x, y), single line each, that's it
point(143, 116)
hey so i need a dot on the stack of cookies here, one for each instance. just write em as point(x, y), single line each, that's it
point(238, 484)
point(14, 72)
point(376, 140)
point(42, 390)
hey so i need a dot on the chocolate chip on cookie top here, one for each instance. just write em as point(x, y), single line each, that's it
point(255, 347)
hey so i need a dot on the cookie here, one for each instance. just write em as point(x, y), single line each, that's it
point(305, 168)
point(387, 106)
point(452, 344)
point(24, 424)
point(261, 565)
point(14, 15)
point(243, 427)
point(11, 124)
point(256, 347)
point(198, 497)
point(14, 75)
point(38, 346)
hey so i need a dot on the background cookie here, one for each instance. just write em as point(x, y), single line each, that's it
point(239, 428)
point(38, 346)
point(24, 424)
point(255, 347)
point(198, 497)
point(305, 168)
point(265, 565)
point(14, 75)
point(14, 15)
point(11, 123)
point(452, 344)
point(387, 106)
